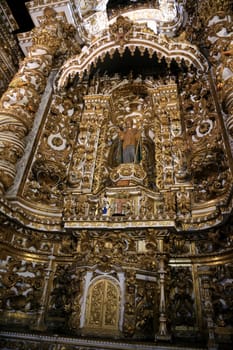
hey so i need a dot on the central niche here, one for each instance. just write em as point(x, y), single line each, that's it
point(132, 151)
point(140, 112)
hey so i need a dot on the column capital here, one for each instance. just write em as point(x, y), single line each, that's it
point(55, 34)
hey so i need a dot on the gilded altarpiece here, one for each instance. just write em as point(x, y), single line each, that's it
point(104, 240)
point(125, 282)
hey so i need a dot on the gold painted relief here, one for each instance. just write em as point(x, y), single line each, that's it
point(119, 224)
point(103, 306)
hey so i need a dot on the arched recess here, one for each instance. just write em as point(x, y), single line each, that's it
point(137, 99)
point(163, 47)
point(102, 312)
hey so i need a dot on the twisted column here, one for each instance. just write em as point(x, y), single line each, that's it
point(20, 102)
point(228, 103)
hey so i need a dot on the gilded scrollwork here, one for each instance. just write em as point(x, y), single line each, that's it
point(146, 300)
point(49, 170)
point(130, 316)
point(21, 283)
point(184, 202)
point(202, 128)
point(59, 295)
point(221, 294)
point(181, 298)
point(93, 245)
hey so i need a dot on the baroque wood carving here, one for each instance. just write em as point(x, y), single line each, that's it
point(116, 178)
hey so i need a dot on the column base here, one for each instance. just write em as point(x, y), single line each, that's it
point(163, 337)
point(39, 328)
point(39, 325)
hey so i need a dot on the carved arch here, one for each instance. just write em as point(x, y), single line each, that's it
point(164, 48)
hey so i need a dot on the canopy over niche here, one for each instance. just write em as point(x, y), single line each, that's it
point(133, 41)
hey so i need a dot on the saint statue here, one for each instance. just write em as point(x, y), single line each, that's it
point(128, 150)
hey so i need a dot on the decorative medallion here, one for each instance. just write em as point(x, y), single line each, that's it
point(121, 30)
